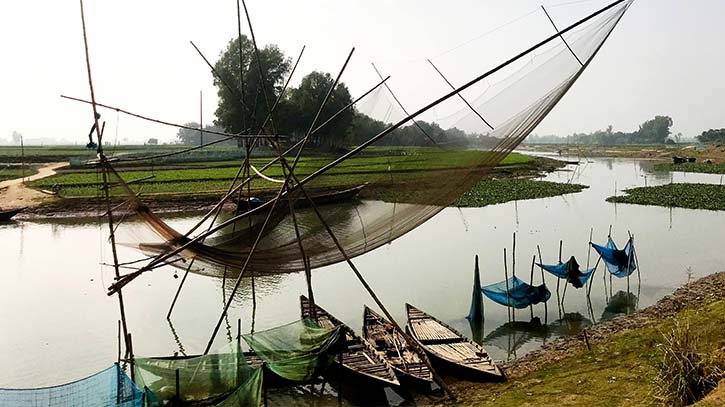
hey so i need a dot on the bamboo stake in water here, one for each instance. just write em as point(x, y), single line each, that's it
point(506, 275)
point(513, 273)
point(543, 281)
point(531, 283)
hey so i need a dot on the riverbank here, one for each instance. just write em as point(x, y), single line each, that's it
point(663, 152)
point(188, 187)
point(621, 365)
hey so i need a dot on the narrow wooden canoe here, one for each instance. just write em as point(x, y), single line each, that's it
point(406, 362)
point(359, 360)
point(449, 347)
point(8, 214)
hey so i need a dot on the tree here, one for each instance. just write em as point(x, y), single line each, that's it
point(655, 131)
point(307, 99)
point(712, 136)
point(17, 137)
point(244, 107)
point(192, 136)
point(153, 141)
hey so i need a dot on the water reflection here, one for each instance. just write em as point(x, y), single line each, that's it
point(621, 303)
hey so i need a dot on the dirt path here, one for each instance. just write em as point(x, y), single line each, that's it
point(14, 194)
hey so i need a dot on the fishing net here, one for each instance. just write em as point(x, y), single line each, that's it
point(617, 260)
point(569, 271)
point(405, 174)
point(110, 387)
point(298, 351)
point(516, 293)
point(201, 379)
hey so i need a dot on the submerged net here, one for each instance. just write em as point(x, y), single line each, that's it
point(516, 293)
point(621, 263)
point(409, 174)
point(569, 271)
point(201, 379)
point(110, 387)
point(298, 351)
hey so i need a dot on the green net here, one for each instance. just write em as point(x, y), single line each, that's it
point(209, 379)
point(298, 351)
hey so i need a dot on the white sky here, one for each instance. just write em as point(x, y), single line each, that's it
point(665, 57)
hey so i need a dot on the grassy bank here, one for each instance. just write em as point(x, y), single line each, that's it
point(494, 191)
point(402, 166)
point(623, 362)
point(692, 167)
point(692, 196)
point(13, 173)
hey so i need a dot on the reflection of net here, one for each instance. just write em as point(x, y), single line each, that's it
point(404, 186)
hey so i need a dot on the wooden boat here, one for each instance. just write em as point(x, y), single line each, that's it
point(406, 362)
point(359, 360)
point(450, 348)
point(8, 214)
point(319, 198)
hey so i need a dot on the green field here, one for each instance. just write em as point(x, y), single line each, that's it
point(692, 196)
point(408, 165)
point(12, 173)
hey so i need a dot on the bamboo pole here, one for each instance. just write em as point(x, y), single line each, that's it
point(543, 281)
point(558, 280)
point(562, 37)
point(461, 96)
point(531, 283)
point(513, 272)
point(506, 276)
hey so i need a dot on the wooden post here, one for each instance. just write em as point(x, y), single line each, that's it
point(119, 342)
point(513, 273)
point(629, 262)
point(178, 390)
point(531, 283)
point(558, 280)
point(201, 120)
point(340, 381)
point(129, 345)
point(636, 260)
point(178, 290)
point(506, 274)
point(596, 265)
point(543, 281)
point(22, 158)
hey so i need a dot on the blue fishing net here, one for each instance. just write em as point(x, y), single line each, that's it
point(110, 387)
point(616, 260)
point(569, 271)
point(518, 295)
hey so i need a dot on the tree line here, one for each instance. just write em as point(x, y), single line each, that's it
point(247, 90)
point(653, 131)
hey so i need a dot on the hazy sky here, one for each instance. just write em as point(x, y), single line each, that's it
point(665, 57)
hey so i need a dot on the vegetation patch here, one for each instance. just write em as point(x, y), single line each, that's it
point(705, 168)
point(495, 191)
point(692, 196)
point(13, 173)
point(618, 371)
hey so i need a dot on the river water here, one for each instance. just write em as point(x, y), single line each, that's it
point(58, 324)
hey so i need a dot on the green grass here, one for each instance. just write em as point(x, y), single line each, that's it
point(617, 372)
point(12, 173)
point(692, 167)
point(692, 196)
point(402, 166)
point(494, 191)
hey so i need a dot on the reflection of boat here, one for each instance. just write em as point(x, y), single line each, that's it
point(406, 362)
point(319, 198)
point(621, 303)
point(6, 215)
point(449, 347)
point(359, 360)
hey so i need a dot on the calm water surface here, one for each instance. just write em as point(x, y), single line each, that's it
point(58, 324)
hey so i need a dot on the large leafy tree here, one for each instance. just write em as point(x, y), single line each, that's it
point(244, 107)
point(655, 131)
point(306, 101)
point(712, 136)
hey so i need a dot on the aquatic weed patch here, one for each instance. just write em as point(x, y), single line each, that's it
point(691, 196)
point(495, 191)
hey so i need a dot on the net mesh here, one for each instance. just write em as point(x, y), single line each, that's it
point(617, 260)
point(406, 177)
point(110, 387)
point(298, 351)
point(569, 271)
point(515, 293)
point(201, 379)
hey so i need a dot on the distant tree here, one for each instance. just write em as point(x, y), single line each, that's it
point(654, 131)
point(153, 141)
point(17, 137)
point(307, 99)
point(232, 114)
point(712, 136)
point(192, 136)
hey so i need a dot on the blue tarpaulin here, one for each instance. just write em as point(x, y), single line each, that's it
point(519, 295)
point(569, 271)
point(616, 260)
